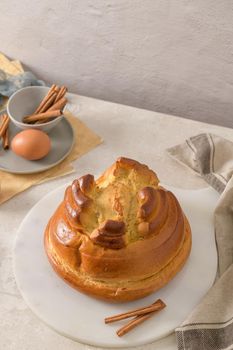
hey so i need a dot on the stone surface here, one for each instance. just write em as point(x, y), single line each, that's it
point(117, 125)
point(172, 56)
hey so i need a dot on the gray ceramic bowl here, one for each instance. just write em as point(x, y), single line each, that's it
point(24, 102)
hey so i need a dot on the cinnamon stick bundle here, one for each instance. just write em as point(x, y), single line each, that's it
point(48, 109)
point(140, 315)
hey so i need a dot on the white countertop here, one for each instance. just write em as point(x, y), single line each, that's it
point(127, 131)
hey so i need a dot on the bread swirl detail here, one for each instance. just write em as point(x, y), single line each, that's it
point(76, 198)
point(153, 209)
point(110, 234)
point(86, 183)
point(79, 197)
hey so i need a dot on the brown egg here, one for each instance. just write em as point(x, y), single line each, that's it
point(31, 144)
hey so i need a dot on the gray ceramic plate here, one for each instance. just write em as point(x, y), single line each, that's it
point(62, 139)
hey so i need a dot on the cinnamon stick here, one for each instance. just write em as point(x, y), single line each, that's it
point(4, 124)
point(41, 116)
point(61, 93)
point(3, 117)
point(56, 89)
point(139, 319)
point(60, 104)
point(156, 306)
point(45, 99)
point(5, 139)
point(52, 88)
point(50, 100)
point(132, 324)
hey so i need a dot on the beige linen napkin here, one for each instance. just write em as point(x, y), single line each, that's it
point(85, 140)
point(210, 325)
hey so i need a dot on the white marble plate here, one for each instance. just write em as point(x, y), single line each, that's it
point(80, 317)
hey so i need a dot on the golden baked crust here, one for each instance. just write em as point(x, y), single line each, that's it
point(120, 237)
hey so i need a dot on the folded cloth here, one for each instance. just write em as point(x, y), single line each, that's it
point(210, 325)
point(11, 83)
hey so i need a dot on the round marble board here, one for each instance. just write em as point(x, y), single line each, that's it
point(81, 317)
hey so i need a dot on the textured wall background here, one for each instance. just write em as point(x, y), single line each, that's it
point(172, 56)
